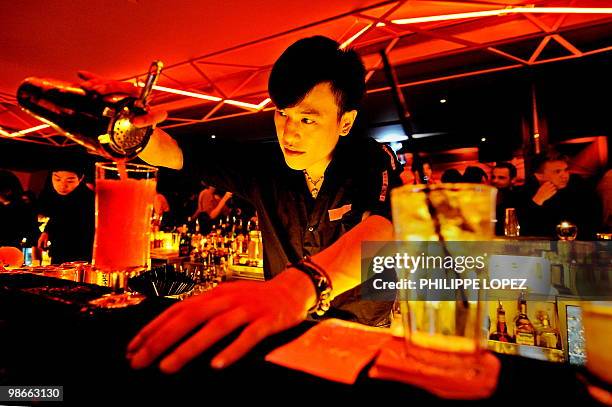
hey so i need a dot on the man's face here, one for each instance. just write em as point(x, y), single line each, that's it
point(555, 172)
point(500, 178)
point(64, 182)
point(309, 131)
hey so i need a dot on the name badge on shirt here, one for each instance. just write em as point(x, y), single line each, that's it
point(338, 213)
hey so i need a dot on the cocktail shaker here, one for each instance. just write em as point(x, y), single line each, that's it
point(102, 124)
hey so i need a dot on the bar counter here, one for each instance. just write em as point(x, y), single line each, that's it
point(44, 343)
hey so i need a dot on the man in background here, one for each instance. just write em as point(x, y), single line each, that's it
point(503, 177)
point(552, 196)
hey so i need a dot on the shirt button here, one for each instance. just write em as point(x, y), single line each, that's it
point(310, 229)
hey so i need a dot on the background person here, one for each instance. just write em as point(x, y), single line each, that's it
point(69, 204)
point(211, 204)
point(17, 217)
point(503, 176)
point(451, 175)
point(475, 175)
point(551, 195)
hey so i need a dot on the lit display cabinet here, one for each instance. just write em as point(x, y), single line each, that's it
point(571, 273)
point(557, 333)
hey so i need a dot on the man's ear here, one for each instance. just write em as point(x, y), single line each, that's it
point(346, 122)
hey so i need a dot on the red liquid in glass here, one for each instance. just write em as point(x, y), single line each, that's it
point(123, 223)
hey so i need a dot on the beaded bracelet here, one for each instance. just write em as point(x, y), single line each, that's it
point(322, 284)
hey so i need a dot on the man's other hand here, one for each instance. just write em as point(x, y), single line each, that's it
point(259, 309)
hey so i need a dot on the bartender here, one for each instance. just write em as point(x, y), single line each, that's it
point(319, 193)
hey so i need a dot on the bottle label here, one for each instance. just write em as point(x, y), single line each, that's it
point(525, 338)
point(548, 340)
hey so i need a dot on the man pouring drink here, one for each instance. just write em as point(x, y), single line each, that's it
point(316, 201)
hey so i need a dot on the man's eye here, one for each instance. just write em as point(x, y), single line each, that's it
point(281, 113)
point(306, 120)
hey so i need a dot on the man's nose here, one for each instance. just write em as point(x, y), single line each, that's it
point(290, 133)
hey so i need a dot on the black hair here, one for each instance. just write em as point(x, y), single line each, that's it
point(76, 169)
point(418, 161)
point(314, 60)
point(474, 175)
point(451, 175)
point(509, 166)
point(550, 155)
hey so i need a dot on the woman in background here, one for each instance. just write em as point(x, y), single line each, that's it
point(69, 204)
point(17, 217)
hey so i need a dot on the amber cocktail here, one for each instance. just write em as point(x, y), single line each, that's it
point(443, 213)
point(124, 204)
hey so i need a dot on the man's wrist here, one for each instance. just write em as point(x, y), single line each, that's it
point(299, 286)
point(321, 282)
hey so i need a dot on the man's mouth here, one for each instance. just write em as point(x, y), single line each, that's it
point(292, 153)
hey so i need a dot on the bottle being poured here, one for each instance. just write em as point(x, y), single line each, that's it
point(102, 124)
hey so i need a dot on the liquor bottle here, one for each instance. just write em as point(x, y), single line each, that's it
point(233, 229)
point(184, 242)
point(191, 225)
point(546, 335)
point(27, 252)
point(524, 332)
point(102, 124)
point(196, 243)
point(227, 226)
point(45, 258)
point(255, 249)
point(501, 329)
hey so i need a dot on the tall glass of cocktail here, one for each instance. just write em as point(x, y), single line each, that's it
point(443, 328)
point(124, 203)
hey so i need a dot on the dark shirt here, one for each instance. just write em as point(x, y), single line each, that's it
point(576, 203)
point(71, 223)
point(18, 221)
point(293, 224)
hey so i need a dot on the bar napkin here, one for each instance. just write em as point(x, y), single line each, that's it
point(333, 349)
point(445, 374)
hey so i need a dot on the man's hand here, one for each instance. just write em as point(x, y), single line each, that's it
point(161, 150)
point(546, 191)
point(262, 309)
point(106, 87)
